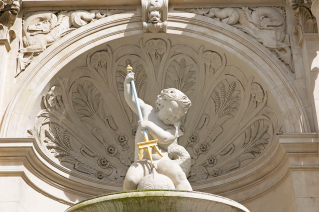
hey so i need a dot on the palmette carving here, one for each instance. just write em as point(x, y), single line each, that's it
point(266, 24)
point(181, 76)
point(248, 140)
point(87, 126)
point(83, 105)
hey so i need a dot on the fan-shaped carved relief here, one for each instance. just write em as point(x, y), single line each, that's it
point(86, 125)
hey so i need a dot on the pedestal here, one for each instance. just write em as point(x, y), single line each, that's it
point(158, 200)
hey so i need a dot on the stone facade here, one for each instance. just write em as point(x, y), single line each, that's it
point(250, 69)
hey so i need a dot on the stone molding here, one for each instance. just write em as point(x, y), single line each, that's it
point(21, 157)
point(96, 3)
point(24, 158)
point(180, 201)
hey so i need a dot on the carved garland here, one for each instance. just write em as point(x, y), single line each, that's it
point(86, 124)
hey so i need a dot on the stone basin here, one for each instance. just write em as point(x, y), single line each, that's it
point(158, 200)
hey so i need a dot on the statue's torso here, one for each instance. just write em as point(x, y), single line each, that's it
point(149, 114)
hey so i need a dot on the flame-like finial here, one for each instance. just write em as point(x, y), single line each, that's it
point(129, 68)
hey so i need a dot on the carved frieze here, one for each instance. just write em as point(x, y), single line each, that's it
point(265, 24)
point(86, 125)
point(41, 29)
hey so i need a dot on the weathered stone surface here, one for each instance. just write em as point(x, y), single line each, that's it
point(159, 201)
point(284, 173)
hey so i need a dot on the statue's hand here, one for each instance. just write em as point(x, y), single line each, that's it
point(143, 124)
point(129, 76)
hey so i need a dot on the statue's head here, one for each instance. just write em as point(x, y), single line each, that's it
point(172, 105)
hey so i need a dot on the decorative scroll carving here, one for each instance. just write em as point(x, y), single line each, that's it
point(154, 15)
point(9, 10)
point(41, 29)
point(266, 24)
point(87, 126)
point(307, 23)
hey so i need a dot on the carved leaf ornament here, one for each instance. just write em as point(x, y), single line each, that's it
point(86, 125)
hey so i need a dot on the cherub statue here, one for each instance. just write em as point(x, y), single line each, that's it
point(163, 124)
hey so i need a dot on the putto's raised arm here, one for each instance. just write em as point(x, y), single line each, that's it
point(128, 93)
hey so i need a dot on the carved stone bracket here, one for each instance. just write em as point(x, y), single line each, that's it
point(8, 14)
point(154, 15)
point(315, 9)
point(306, 21)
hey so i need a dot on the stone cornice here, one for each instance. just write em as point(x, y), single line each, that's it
point(276, 167)
point(17, 151)
point(96, 3)
point(300, 143)
point(21, 158)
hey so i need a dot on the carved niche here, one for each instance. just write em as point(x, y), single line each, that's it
point(41, 29)
point(265, 24)
point(154, 15)
point(86, 125)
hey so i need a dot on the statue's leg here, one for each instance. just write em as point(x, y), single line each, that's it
point(172, 170)
point(134, 174)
